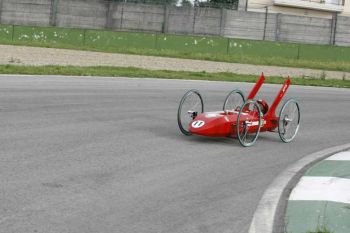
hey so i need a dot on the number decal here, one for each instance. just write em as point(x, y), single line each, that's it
point(198, 124)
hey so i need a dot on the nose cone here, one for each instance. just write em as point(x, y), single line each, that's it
point(210, 124)
point(199, 126)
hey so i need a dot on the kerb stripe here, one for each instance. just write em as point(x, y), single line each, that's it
point(322, 189)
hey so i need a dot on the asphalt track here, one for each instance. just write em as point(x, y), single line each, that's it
point(105, 155)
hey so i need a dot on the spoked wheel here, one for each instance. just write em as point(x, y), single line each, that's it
point(248, 123)
point(289, 119)
point(190, 106)
point(234, 100)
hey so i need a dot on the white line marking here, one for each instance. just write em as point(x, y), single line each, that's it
point(342, 156)
point(322, 189)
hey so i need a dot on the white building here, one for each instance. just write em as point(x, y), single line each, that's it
point(312, 8)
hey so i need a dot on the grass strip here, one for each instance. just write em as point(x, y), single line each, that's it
point(232, 58)
point(321, 230)
point(164, 74)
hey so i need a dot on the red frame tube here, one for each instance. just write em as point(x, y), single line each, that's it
point(256, 87)
point(281, 93)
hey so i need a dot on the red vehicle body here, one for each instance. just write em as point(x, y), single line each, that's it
point(246, 120)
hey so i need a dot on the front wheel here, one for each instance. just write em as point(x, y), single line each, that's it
point(289, 120)
point(190, 106)
point(248, 123)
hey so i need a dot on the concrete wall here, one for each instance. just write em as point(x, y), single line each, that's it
point(102, 14)
point(252, 25)
point(81, 14)
point(180, 20)
point(32, 12)
point(342, 36)
point(305, 29)
point(279, 27)
point(138, 17)
point(194, 20)
point(208, 21)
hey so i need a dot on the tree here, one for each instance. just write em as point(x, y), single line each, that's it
point(231, 4)
point(186, 3)
point(166, 2)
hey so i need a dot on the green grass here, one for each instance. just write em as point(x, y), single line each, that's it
point(321, 230)
point(232, 58)
point(144, 73)
point(182, 46)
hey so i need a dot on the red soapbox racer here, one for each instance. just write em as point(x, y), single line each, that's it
point(240, 118)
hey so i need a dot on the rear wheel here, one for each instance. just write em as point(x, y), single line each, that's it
point(234, 100)
point(190, 106)
point(248, 123)
point(289, 120)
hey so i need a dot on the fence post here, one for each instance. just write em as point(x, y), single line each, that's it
point(298, 55)
point(194, 19)
point(166, 19)
point(265, 23)
point(278, 27)
point(53, 12)
point(121, 17)
point(222, 21)
point(156, 42)
point(0, 9)
point(335, 28)
point(228, 46)
point(332, 30)
point(109, 15)
point(13, 33)
point(84, 37)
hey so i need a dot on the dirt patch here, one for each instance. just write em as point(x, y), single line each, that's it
point(48, 56)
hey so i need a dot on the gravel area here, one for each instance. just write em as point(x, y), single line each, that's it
point(23, 55)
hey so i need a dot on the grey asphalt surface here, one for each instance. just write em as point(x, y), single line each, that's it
point(105, 155)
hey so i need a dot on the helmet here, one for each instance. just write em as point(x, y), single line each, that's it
point(264, 107)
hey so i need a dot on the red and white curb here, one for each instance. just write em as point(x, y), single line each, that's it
point(324, 188)
point(269, 215)
point(321, 199)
